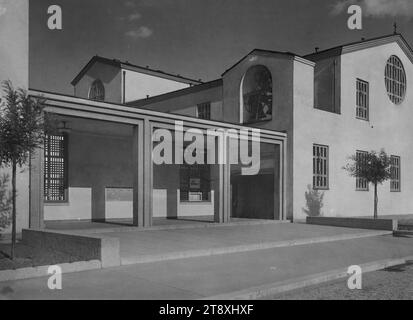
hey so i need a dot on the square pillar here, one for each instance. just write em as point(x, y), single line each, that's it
point(36, 197)
point(147, 173)
point(226, 179)
point(137, 165)
point(98, 202)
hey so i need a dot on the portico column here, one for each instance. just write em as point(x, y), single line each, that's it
point(36, 185)
point(147, 173)
point(98, 201)
point(137, 167)
point(226, 179)
point(278, 214)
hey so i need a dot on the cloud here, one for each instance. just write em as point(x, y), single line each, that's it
point(377, 8)
point(130, 4)
point(148, 3)
point(3, 9)
point(140, 33)
point(134, 16)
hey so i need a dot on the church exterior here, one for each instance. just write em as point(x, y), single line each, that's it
point(307, 114)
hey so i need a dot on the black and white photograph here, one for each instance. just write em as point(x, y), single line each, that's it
point(229, 151)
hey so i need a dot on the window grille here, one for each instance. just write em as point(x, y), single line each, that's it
point(395, 79)
point(55, 168)
point(204, 110)
point(97, 91)
point(361, 183)
point(362, 99)
point(320, 167)
point(395, 173)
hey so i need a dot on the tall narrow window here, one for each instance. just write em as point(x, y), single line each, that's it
point(361, 184)
point(204, 110)
point(395, 173)
point(97, 91)
point(320, 166)
point(55, 168)
point(362, 100)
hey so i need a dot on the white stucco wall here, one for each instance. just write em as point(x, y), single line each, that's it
point(139, 85)
point(389, 127)
point(110, 77)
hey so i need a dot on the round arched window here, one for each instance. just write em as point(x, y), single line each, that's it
point(97, 91)
point(256, 95)
point(395, 78)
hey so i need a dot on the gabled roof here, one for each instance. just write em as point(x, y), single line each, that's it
point(129, 66)
point(272, 53)
point(363, 44)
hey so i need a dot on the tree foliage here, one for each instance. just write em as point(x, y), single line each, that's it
point(23, 127)
point(374, 167)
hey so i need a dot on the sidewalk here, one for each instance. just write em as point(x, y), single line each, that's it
point(201, 277)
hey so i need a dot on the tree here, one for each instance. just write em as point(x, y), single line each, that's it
point(22, 131)
point(372, 166)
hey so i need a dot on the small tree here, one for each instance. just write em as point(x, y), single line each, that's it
point(5, 202)
point(22, 131)
point(314, 202)
point(373, 167)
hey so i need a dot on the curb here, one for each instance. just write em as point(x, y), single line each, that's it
point(248, 247)
point(41, 271)
point(264, 291)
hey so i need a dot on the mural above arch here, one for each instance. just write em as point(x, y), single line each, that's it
point(256, 95)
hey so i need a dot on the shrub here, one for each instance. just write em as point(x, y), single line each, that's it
point(314, 202)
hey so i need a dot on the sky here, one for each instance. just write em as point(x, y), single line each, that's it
point(199, 39)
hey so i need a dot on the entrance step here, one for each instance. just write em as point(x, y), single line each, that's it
point(146, 258)
point(195, 225)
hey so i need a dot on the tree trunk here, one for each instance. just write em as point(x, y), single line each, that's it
point(375, 201)
point(13, 228)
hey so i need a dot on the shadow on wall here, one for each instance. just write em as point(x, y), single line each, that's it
point(314, 202)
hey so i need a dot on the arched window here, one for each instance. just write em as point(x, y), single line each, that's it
point(97, 91)
point(395, 79)
point(256, 95)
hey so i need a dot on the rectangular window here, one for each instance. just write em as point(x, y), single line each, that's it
point(327, 85)
point(195, 182)
point(395, 173)
point(320, 167)
point(204, 110)
point(361, 184)
point(362, 100)
point(55, 168)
